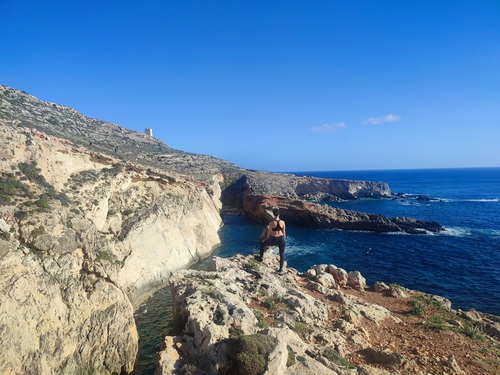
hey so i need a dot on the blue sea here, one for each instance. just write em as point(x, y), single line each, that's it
point(462, 263)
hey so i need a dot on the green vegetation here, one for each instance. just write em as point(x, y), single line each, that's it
point(235, 331)
point(32, 173)
point(196, 365)
point(474, 331)
point(416, 307)
point(4, 235)
point(215, 294)
point(295, 293)
point(301, 358)
point(301, 329)
point(251, 266)
point(84, 176)
point(37, 232)
point(104, 255)
point(395, 286)
point(335, 357)
point(43, 201)
point(437, 322)
point(10, 187)
point(261, 323)
point(270, 304)
point(290, 361)
point(263, 292)
point(248, 354)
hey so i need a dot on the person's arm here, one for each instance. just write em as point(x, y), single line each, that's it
point(284, 229)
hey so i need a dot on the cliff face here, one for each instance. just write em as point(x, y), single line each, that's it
point(83, 237)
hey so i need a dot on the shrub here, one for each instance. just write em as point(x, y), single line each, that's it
point(417, 307)
point(4, 235)
point(474, 331)
point(302, 329)
point(249, 353)
point(43, 201)
point(260, 319)
point(21, 215)
point(251, 265)
point(32, 173)
point(290, 361)
point(335, 357)
point(270, 304)
point(263, 292)
point(215, 294)
point(437, 323)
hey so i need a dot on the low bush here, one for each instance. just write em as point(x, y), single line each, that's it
point(249, 354)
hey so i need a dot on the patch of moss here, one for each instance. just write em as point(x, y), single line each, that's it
point(248, 354)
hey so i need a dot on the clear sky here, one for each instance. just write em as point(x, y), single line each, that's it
point(273, 85)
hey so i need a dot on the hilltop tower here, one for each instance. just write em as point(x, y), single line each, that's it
point(149, 131)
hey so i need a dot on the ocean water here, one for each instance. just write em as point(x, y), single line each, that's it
point(461, 263)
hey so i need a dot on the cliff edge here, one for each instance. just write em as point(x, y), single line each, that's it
point(240, 317)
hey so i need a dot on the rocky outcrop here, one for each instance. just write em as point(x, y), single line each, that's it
point(240, 317)
point(84, 237)
point(298, 212)
point(256, 194)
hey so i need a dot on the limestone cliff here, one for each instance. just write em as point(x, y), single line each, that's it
point(83, 237)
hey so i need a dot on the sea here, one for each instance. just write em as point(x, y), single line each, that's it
point(461, 263)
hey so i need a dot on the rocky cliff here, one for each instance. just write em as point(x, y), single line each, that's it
point(83, 237)
point(240, 317)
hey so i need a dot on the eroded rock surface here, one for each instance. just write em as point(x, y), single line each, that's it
point(323, 321)
point(83, 238)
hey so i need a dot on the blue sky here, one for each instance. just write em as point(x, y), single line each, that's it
point(273, 85)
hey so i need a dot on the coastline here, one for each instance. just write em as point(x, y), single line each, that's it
point(378, 327)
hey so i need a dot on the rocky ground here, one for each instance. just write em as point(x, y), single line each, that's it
point(325, 321)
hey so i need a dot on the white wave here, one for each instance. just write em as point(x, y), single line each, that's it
point(482, 200)
point(456, 232)
point(465, 232)
point(406, 203)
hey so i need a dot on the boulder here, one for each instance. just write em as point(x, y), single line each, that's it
point(355, 280)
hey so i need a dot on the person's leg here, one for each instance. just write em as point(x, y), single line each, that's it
point(271, 241)
point(281, 245)
point(262, 248)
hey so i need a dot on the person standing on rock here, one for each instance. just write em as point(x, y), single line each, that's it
point(276, 236)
